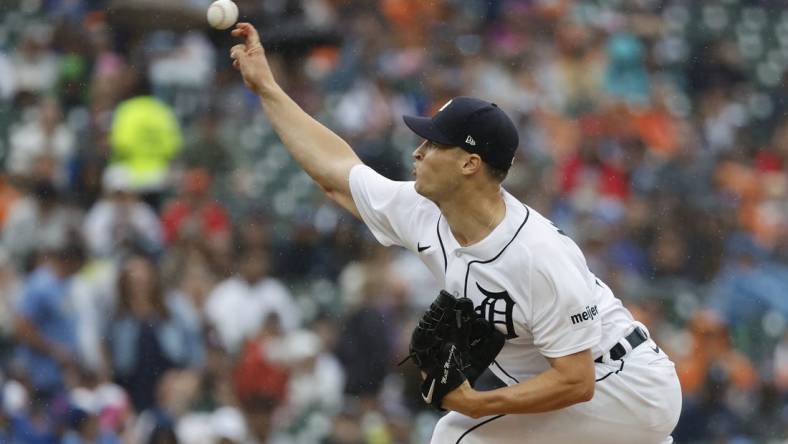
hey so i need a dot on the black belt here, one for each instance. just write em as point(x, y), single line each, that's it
point(637, 337)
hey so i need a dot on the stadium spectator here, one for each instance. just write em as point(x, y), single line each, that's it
point(708, 416)
point(317, 379)
point(145, 137)
point(149, 332)
point(258, 373)
point(194, 214)
point(239, 304)
point(120, 222)
point(10, 292)
point(366, 356)
point(710, 351)
point(35, 62)
point(37, 222)
point(42, 147)
point(45, 327)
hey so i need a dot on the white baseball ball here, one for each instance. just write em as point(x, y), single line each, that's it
point(222, 14)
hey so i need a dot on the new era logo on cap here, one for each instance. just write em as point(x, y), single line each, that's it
point(494, 139)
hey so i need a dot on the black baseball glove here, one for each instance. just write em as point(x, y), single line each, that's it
point(452, 344)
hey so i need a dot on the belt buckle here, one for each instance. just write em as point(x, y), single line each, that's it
point(608, 355)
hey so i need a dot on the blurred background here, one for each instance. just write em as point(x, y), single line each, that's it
point(169, 275)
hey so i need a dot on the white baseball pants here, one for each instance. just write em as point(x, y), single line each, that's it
point(636, 400)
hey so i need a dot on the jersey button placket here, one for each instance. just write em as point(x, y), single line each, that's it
point(455, 272)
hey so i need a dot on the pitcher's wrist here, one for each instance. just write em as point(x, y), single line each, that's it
point(266, 89)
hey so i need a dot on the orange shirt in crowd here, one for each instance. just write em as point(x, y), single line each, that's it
point(8, 195)
point(658, 130)
point(711, 345)
point(411, 18)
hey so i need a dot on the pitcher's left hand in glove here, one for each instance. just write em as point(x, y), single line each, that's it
point(452, 344)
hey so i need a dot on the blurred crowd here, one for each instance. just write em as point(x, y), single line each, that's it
point(169, 275)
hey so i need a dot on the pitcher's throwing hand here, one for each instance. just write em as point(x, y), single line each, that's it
point(249, 58)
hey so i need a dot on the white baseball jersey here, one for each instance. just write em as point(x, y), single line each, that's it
point(526, 276)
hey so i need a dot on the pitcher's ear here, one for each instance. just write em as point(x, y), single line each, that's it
point(472, 163)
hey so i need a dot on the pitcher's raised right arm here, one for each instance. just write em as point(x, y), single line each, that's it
point(320, 152)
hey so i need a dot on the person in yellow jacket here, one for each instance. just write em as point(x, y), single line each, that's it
point(145, 137)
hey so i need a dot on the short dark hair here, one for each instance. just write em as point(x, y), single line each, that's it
point(497, 174)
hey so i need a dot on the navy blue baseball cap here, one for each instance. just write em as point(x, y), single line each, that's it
point(474, 125)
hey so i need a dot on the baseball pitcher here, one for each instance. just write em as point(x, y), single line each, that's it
point(519, 298)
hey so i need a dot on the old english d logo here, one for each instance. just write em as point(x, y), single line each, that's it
point(496, 304)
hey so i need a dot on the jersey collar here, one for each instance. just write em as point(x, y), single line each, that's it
point(496, 240)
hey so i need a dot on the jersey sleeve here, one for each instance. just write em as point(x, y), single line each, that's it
point(564, 317)
point(386, 206)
